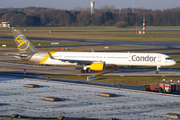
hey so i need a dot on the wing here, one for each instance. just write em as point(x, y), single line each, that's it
point(79, 62)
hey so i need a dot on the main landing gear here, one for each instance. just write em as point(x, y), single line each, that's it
point(86, 69)
point(157, 71)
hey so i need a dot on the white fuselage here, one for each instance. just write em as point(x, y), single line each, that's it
point(136, 59)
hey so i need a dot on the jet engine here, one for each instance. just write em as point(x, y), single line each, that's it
point(111, 66)
point(99, 66)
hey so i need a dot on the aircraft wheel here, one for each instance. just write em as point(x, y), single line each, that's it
point(157, 72)
point(82, 71)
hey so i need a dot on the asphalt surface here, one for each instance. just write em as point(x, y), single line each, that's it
point(9, 67)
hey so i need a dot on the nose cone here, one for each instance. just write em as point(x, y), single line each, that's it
point(173, 62)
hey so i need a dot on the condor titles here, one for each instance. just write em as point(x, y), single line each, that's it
point(144, 58)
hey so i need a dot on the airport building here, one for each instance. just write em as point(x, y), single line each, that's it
point(5, 24)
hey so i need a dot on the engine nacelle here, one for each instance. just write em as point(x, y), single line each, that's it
point(111, 66)
point(97, 66)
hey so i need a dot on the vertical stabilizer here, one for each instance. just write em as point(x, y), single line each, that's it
point(23, 44)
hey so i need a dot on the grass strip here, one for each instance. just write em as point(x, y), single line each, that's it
point(134, 81)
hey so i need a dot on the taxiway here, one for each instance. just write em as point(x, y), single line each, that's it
point(73, 70)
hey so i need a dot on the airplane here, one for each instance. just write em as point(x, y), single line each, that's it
point(90, 61)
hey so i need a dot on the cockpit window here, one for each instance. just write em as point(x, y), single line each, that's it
point(169, 58)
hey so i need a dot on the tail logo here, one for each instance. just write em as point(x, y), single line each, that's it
point(22, 44)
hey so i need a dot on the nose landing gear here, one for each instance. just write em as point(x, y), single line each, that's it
point(157, 71)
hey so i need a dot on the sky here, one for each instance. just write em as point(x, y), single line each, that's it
point(70, 4)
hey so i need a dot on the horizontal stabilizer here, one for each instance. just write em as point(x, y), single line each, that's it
point(18, 55)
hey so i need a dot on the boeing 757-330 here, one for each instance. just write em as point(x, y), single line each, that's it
point(90, 61)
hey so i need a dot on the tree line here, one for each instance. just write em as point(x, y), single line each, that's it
point(34, 16)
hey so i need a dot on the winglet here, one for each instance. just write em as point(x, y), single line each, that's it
point(50, 55)
point(92, 50)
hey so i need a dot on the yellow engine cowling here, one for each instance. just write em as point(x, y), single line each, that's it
point(97, 66)
point(110, 66)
